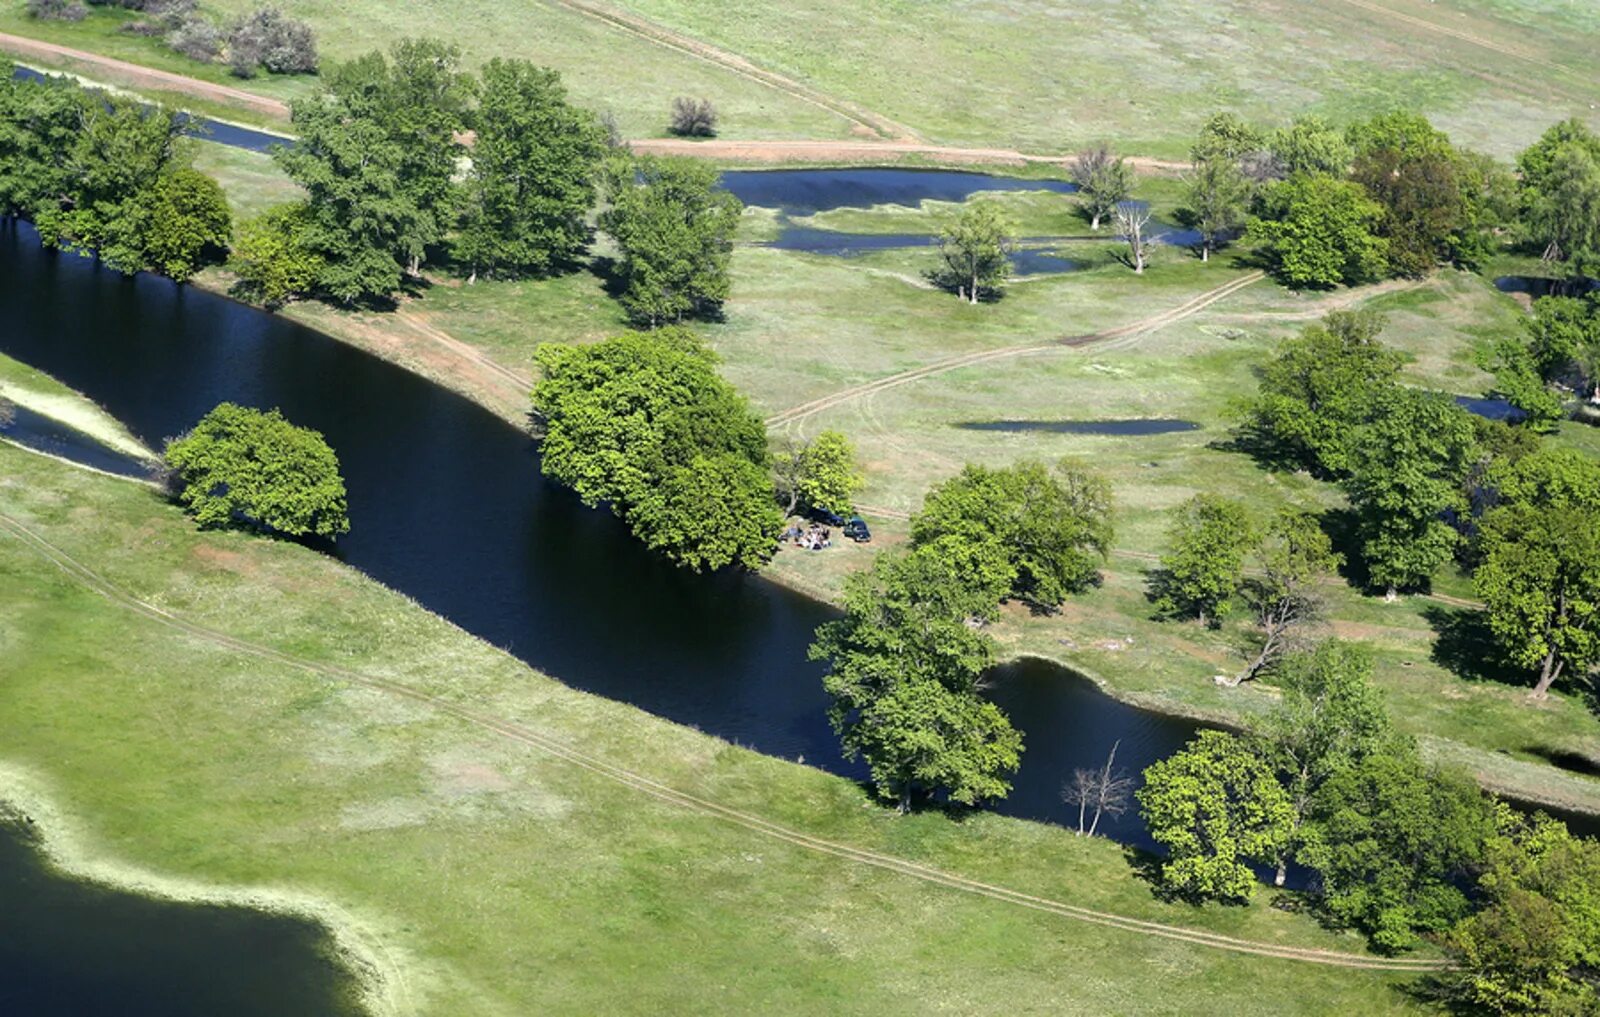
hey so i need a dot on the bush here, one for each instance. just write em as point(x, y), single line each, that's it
point(271, 258)
point(269, 38)
point(189, 217)
point(693, 118)
point(240, 464)
point(197, 39)
point(57, 10)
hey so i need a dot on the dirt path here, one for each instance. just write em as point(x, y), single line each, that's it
point(733, 150)
point(87, 577)
point(1122, 332)
point(139, 76)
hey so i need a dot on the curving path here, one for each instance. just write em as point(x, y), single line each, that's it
point(87, 577)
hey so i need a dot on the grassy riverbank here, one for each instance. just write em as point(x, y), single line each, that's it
point(801, 328)
point(24, 386)
point(495, 878)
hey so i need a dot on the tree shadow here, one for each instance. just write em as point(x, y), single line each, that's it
point(1465, 646)
point(1343, 528)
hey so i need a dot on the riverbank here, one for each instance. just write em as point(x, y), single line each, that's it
point(361, 755)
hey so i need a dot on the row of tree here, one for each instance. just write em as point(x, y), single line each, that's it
point(407, 160)
point(906, 658)
point(1401, 848)
point(107, 176)
point(1426, 482)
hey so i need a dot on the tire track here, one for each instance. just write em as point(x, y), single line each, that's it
point(666, 794)
point(803, 410)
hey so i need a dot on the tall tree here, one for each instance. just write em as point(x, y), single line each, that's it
point(1320, 387)
point(903, 670)
point(1410, 168)
point(1408, 469)
point(1104, 179)
point(1534, 948)
point(675, 228)
point(39, 127)
point(976, 249)
point(1328, 718)
point(422, 104)
point(1540, 573)
point(644, 423)
point(1393, 839)
point(822, 473)
point(1560, 195)
point(1053, 524)
point(1216, 806)
point(1204, 567)
point(1218, 195)
point(535, 163)
point(1318, 231)
point(1295, 555)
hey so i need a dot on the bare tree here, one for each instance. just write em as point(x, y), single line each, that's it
point(693, 118)
point(1283, 597)
point(1104, 791)
point(1132, 218)
point(1103, 178)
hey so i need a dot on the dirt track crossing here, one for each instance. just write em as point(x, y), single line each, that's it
point(87, 577)
point(1132, 330)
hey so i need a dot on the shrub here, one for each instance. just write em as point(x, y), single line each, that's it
point(271, 258)
point(197, 39)
point(269, 38)
point(241, 464)
point(189, 217)
point(693, 118)
point(57, 10)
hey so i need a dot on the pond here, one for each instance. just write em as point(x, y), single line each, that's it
point(70, 948)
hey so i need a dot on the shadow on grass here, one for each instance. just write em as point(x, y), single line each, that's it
point(1465, 646)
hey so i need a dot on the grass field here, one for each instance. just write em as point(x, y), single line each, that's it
point(499, 879)
point(1042, 75)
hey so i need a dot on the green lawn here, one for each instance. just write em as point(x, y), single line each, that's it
point(501, 880)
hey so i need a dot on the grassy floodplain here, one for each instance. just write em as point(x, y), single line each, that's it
point(1041, 75)
point(490, 877)
point(804, 327)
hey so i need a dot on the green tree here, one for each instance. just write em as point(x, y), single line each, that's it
point(1218, 194)
point(1216, 806)
point(675, 228)
point(822, 473)
point(1055, 525)
point(39, 125)
point(1535, 946)
point(1294, 556)
point(241, 464)
point(1540, 572)
point(1228, 136)
point(1560, 195)
point(1408, 468)
point(1204, 567)
point(1393, 838)
point(904, 662)
point(1328, 718)
point(534, 167)
point(1410, 168)
point(976, 248)
point(1104, 180)
point(1319, 388)
point(273, 259)
point(187, 216)
point(421, 104)
point(644, 423)
point(1311, 145)
point(1317, 231)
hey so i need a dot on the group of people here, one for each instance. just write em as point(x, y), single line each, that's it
point(813, 538)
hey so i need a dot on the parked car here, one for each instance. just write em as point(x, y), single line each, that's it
point(826, 517)
point(856, 530)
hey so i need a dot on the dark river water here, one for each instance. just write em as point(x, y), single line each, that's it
point(74, 949)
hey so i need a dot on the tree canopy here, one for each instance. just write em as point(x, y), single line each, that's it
point(976, 248)
point(1560, 196)
point(822, 473)
point(644, 423)
point(1204, 567)
point(1318, 231)
point(1104, 179)
point(675, 228)
point(1054, 525)
point(245, 465)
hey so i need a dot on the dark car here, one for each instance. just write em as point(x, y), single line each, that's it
point(826, 517)
point(856, 530)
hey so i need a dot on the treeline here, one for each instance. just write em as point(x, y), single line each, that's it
point(1390, 196)
point(1427, 483)
point(408, 160)
point(266, 38)
point(108, 176)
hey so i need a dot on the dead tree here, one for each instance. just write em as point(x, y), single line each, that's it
point(1283, 596)
point(1098, 792)
point(1132, 218)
